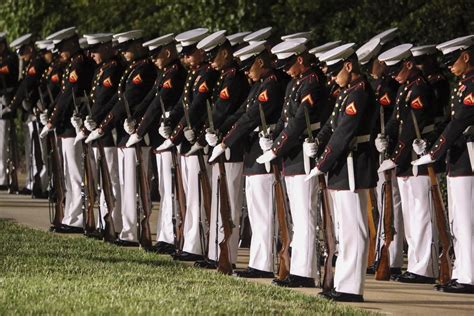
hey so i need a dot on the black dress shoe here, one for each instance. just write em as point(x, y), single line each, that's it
point(370, 269)
point(295, 281)
point(186, 256)
point(66, 229)
point(334, 295)
point(409, 277)
point(395, 271)
point(162, 247)
point(254, 273)
point(40, 195)
point(455, 287)
point(3, 187)
point(206, 264)
point(24, 191)
point(126, 243)
point(96, 234)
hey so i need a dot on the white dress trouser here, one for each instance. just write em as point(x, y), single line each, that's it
point(396, 246)
point(30, 154)
point(4, 125)
point(302, 196)
point(234, 184)
point(461, 215)
point(419, 230)
point(111, 157)
point(164, 229)
point(350, 216)
point(194, 230)
point(73, 171)
point(127, 164)
point(259, 194)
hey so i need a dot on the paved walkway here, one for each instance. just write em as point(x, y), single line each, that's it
point(384, 297)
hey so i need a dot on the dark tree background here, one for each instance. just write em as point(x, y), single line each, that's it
point(419, 21)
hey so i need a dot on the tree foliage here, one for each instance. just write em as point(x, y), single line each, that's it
point(419, 21)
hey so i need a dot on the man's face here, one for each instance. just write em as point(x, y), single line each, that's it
point(296, 69)
point(378, 68)
point(343, 77)
point(460, 65)
point(255, 71)
point(98, 55)
point(26, 53)
point(48, 57)
point(161, 60)
point(405, 72)
point(194, 59)
point(128, 55)
point(64, 56)
point(220, 60)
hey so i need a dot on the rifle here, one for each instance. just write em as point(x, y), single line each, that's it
point(329, 235)
point(144, 191)
point(444, 259)
point(280, 206)
point(382, 260)
point(12, 149)
point(203, 178)
point(372, 210)
point(105, 185)
point(224, 264)
point(178, 188)
point(88, 186)
point(36, 148)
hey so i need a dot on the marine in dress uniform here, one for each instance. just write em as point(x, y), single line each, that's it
point(305, 92)
point(168, 88)
point(385, 89)
point(133, 86)
point(25, 99)
point(457, 144)
point(348, 159)
point(76, 79)
point(266, 93)
point(229, 93)
point(105, 83)
point(414, 97)
point(198, 89)
point(8, 84)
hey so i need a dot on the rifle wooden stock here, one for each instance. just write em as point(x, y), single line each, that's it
point(109, 230)
point(145, 231)
point(58, 181)
point(224, 264)
point(382, 267)
point(89, 189)
point(280, 205)
point(372, 226)
point(329, 236)
point(180, 198)
point(443, 230)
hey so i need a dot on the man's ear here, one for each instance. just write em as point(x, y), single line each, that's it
point(348, 66)
point(260, 62)
point(299, 60)
point(466, 57)
point(167, 53)
point(409, 64)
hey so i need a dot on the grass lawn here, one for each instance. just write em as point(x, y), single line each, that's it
point(43, 273)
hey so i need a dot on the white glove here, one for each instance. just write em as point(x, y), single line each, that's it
point(419, 146)
point(43, 118)
point(265, 143)
point(386, 165)
point(211, 139)
point(129, 126)
point(76, 121)
point(216, 152)
point(310, 149)
point(95, 134)
point(90, 124)
point(195, 147)
point(166, 144)
point(313, 173)
point(44, 131)
point(381, 143)
point(133, 139)
point(79, 137)
point(189, 134)
point(267, 156)
point(423, 160)
point(164, 130)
